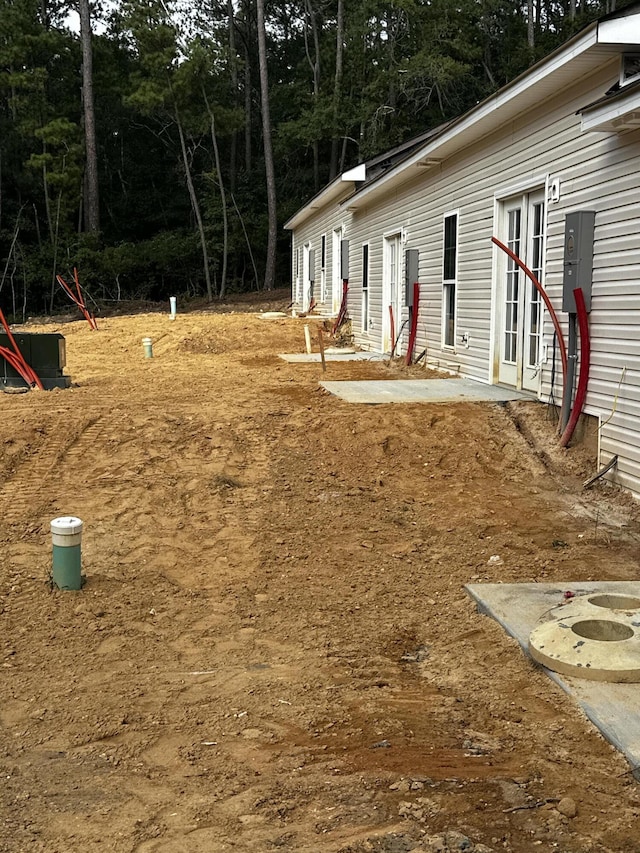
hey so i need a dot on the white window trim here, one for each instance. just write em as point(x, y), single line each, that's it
point(322, 295)
point(366, 315)
point(450, 282)
point(522, 187)
point(297, 273)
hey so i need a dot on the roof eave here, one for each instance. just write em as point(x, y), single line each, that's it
point(481, 120)
point(337, 190)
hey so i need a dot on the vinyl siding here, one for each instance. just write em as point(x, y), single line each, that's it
point(311, 232)
point(597, 171)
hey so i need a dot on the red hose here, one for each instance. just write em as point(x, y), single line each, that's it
point(413, 331)
point(26, 368)
point(343, 306)
point(79, 299)
point(585, 359)
point(554, 319)
point(17, 365)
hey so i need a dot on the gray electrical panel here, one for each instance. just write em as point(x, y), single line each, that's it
point(411, 262)
point(344, 259)
point(578, 258)
point(312, 264)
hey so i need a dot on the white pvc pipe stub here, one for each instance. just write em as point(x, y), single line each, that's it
point(66, 531)
point(173, 303)
point(147, 343)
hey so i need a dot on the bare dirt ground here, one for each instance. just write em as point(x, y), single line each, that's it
point(274, 649)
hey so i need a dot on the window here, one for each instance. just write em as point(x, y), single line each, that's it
point(512, 292)
point(629, 68)
point(449, 279)
point(534, 328)
point(365, 288)
point(296, 273)
point(323, 268)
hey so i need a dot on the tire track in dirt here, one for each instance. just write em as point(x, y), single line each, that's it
point(88, 437)
point(26, 493)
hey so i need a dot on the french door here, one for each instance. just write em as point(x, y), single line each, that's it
point(393, 297)
point(336, 271)
point(519, 302)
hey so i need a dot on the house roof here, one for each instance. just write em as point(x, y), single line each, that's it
point(617, 110)
point(580, 56)
point(346, 183)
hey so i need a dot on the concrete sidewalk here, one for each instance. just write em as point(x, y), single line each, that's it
point(422, 391)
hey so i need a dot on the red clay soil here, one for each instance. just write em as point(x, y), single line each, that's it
point(274, 649)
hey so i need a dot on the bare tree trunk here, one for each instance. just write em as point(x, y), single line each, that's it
point(314, 64)
point(270, 267)
point(233, 68)
point(54, 242)
point(223, 199)
point(531, 33)
point(247, 110)
point(196, 207)
point(12, 247)
point(246, 237)
point(92, 199)
point(24, 292)
point(337, 89)
point(47, 203)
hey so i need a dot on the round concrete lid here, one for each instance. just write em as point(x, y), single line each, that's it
point(600, 647)
point(597, 605)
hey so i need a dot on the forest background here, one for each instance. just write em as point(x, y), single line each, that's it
point(160, 148)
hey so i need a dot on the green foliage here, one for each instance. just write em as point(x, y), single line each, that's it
point(408, 65)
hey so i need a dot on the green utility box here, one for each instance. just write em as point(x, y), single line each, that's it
point(45, 353)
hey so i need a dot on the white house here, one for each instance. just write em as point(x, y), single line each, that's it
point(563, 138)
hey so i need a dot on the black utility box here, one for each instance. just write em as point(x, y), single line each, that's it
point(45, 353)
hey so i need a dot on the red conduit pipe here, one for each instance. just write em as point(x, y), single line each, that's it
point(585, 359)
point(17, 365)
point(33, 377)
point(413, 331)
point(90, 317)
point(392, 330)
point(78, 300)
point(554, 318)
point(343, 306)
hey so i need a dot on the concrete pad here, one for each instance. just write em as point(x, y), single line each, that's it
point(613, 708)
point(422, 391)
point(313, 357)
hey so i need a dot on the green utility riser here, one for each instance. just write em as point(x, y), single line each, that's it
point(67, 567)
point(66, 538)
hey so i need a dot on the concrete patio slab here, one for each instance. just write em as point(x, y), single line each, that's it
point(613, 708)
point(421, 391)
